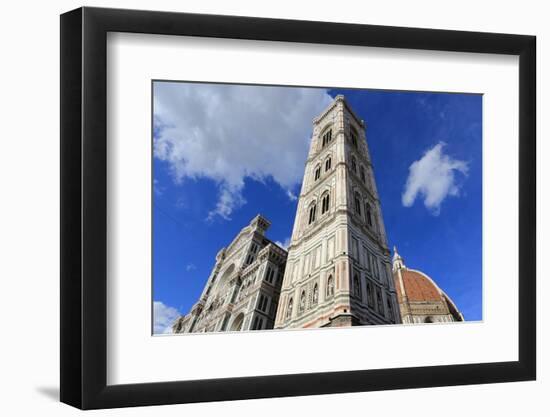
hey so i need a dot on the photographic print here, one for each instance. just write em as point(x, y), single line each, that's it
point(281, 207)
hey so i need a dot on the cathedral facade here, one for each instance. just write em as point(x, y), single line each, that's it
point(242, 291)
point(337, 271)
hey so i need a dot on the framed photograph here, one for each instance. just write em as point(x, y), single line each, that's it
point(259, 208)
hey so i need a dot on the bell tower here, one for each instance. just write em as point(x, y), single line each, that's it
point(338, 269)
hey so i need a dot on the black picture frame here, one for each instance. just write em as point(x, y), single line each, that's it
point(84, 207)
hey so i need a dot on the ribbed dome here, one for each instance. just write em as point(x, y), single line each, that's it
point(418, 287)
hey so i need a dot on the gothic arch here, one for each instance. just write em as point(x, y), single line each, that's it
point(237, 324)
point(325, 201)
point(227, 272)
point(327, 162)
point(326, 126)
point(223, 282)
point(324, 188)
point(312, 211)
point(317, 172)
point(326, 135)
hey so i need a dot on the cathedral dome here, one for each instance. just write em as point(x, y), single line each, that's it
point(418, 287)
point(420, 298)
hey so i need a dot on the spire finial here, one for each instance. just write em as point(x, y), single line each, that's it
point(397, 259)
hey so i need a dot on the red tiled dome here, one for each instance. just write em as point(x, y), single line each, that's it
point(417, 287)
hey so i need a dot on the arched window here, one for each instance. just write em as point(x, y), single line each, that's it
point(302, 301)
point(289, 309)
point(353, 136)
point(370, 295)
point(429, 319)
point(317, 172)
point(368, 212)
point(328, 164)
point(312, 213)
point(327, 137)
point(357, 203)
point(325, 203)
point(330, 286)
point(362, 173)
point(315, 297)
point(237, 324)
point(353, 164)
point(356, 286)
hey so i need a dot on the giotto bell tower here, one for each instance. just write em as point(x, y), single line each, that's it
point(338, 270)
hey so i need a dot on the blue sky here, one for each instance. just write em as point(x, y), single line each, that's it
point(224, 153)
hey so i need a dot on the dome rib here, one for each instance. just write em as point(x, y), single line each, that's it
point(420, 288)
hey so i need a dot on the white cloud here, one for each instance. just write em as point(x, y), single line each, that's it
point(291, 196)
point(229, 199)
point(433, 178)
point(284, 244)
point(163, 317)
point(227, 133)
point(157, 188)
point(190, 267)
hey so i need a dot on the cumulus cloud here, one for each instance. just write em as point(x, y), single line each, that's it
point(433, 178)
point(228, 133)
point(163, 317)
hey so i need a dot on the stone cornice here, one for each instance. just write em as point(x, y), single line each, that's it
point(337, 99)
point(331, 106)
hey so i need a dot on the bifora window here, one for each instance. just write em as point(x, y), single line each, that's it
point(325, 203)
point(269, 275)
point(328, 163)
point(262, 303)
point(327, 137)
point(312, 211)
point(317, 172)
